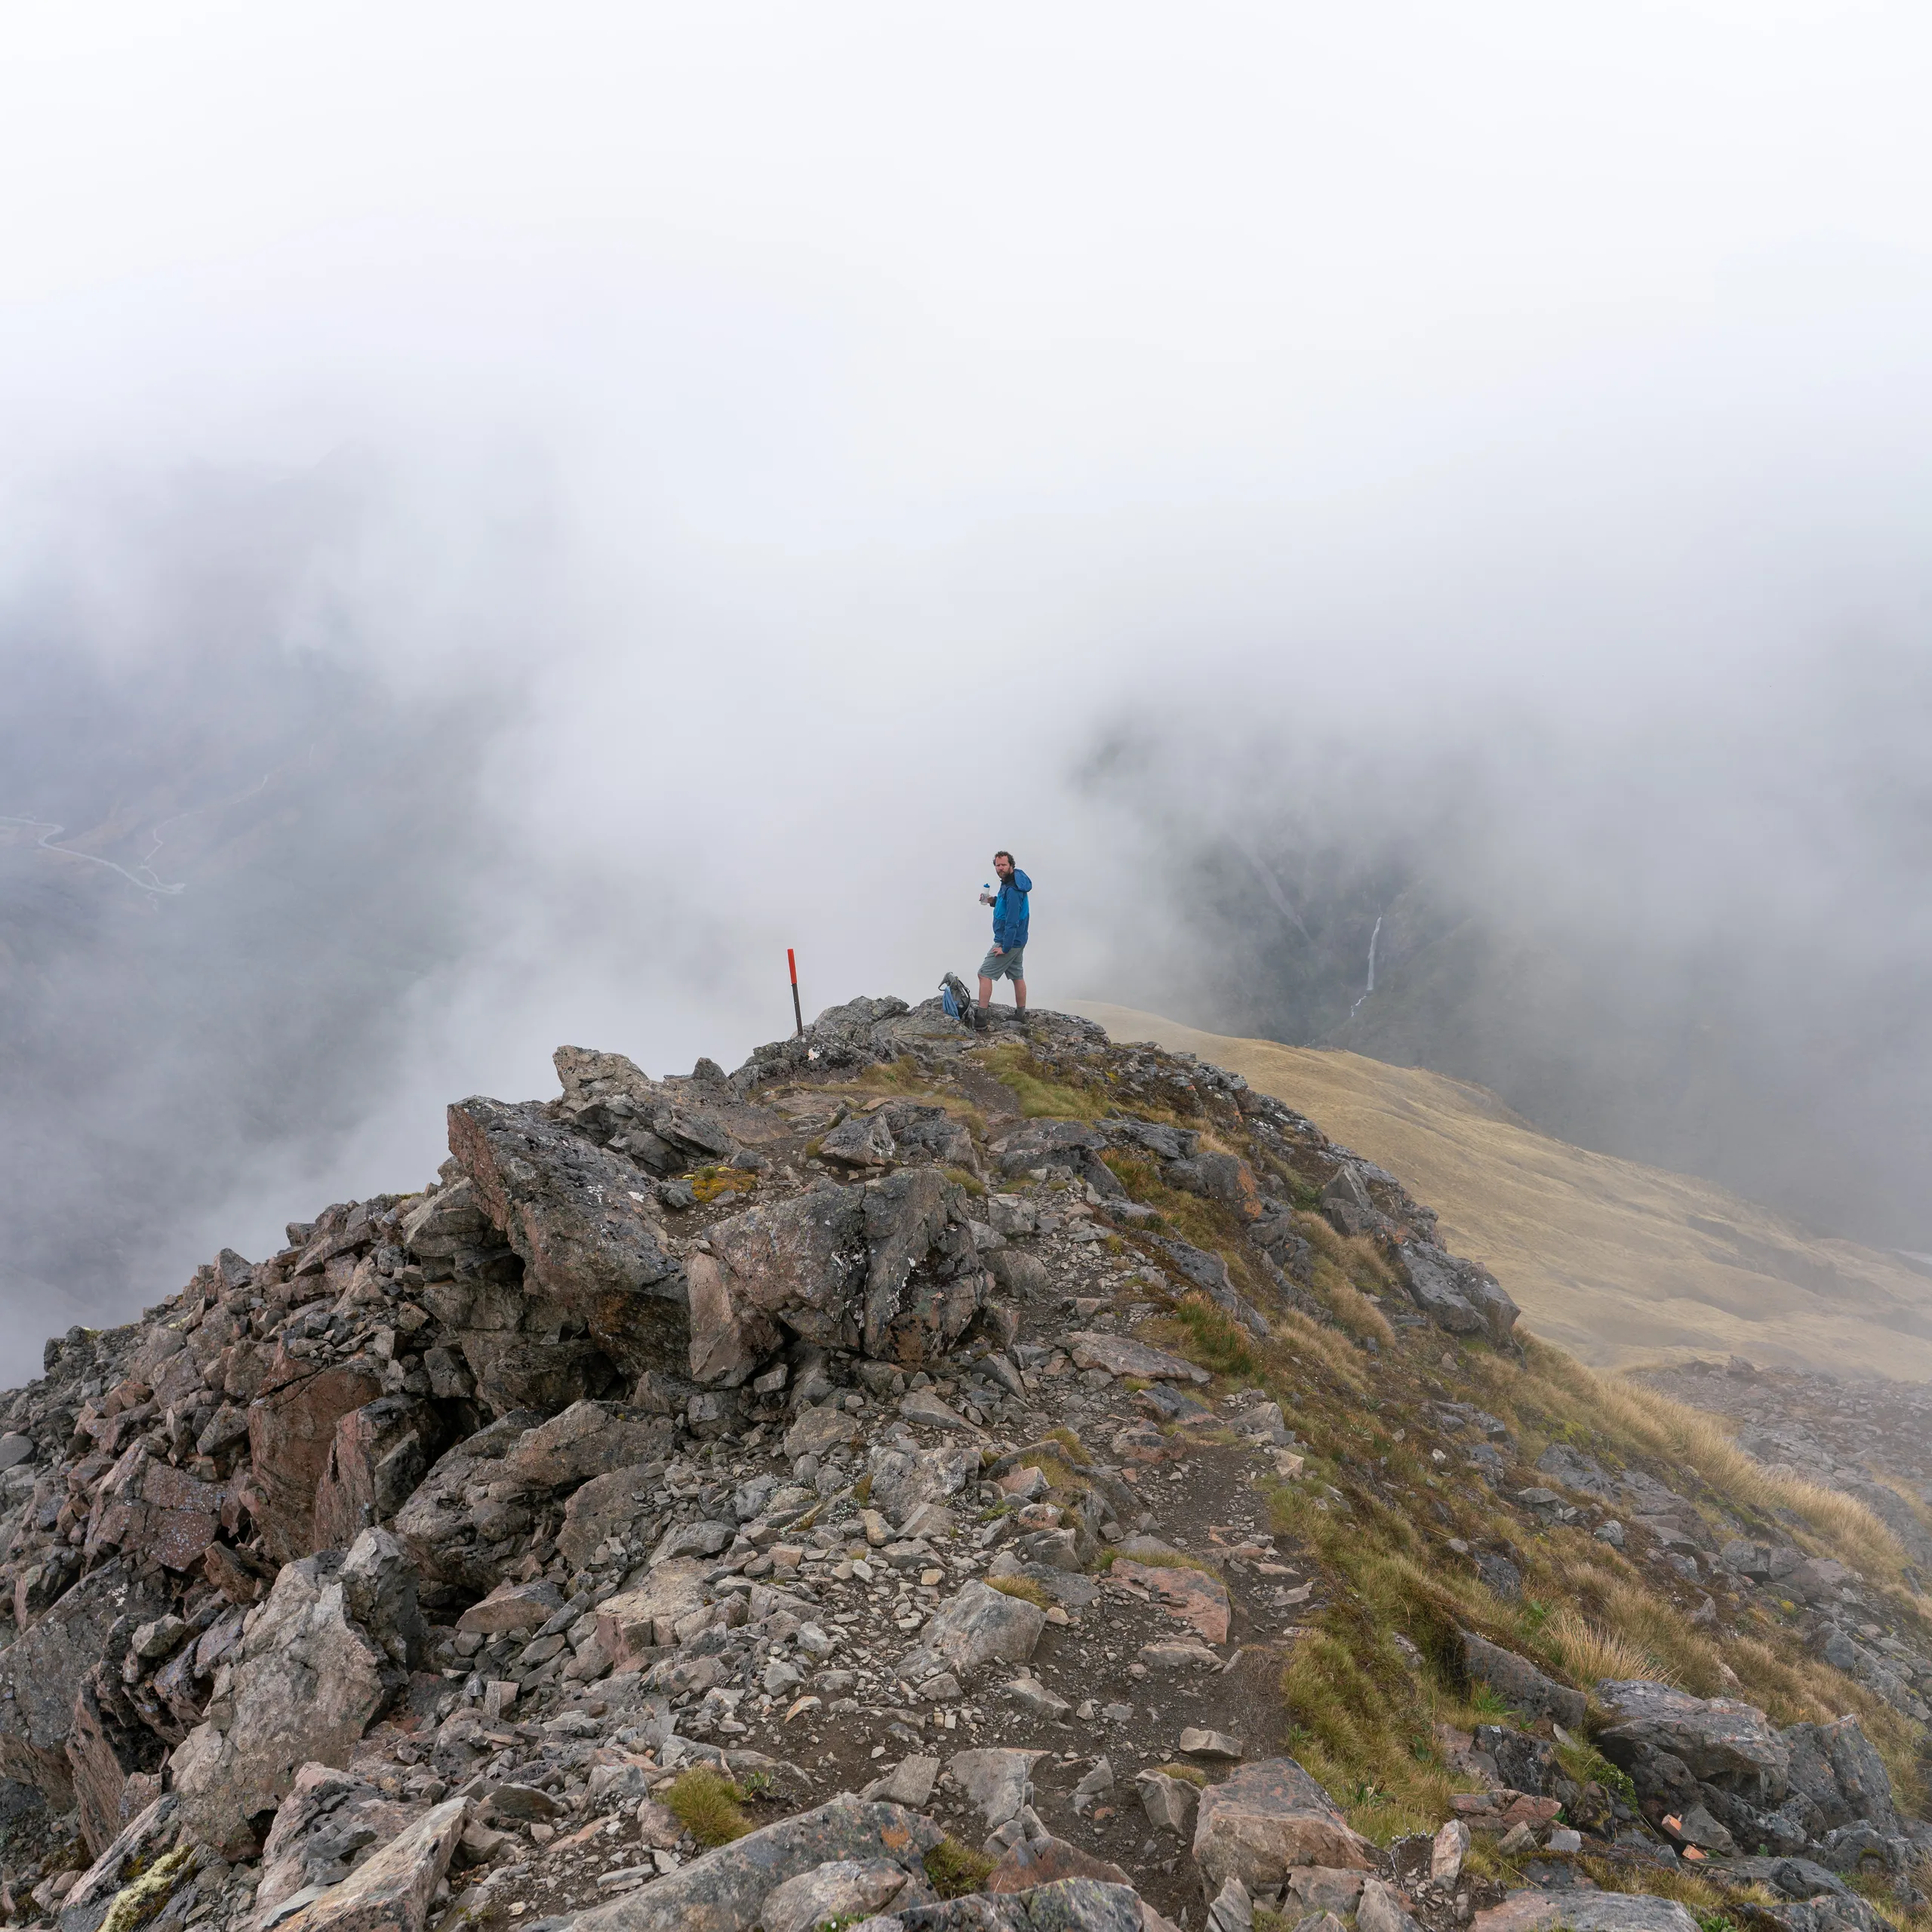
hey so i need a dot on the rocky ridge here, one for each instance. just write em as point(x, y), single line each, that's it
point(910, 1467)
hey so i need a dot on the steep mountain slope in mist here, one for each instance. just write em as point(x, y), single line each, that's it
point(992, 1476)
point(1619, 1262)
point(1688, 928)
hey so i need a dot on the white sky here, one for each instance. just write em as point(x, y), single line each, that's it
point(883, 394)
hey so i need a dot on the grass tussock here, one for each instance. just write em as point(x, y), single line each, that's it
point(1042, 1096)
point(1213, 1339)
point(1648, 1421)
point(710, 1184)
point(956, 1869)
point(1350, 1307)
point(964, 1177)
point(706, 1803)
point(1024, 1589)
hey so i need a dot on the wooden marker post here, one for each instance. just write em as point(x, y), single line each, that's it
point(791, 961)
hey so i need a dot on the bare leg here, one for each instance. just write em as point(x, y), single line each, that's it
point(985, 992)
point(1020, 994)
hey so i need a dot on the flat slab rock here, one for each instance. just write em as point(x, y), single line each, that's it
point(1067, 1905)
point(1266, 1820)
point(1585, 1911)
point(1119, 1354)
point(1717, 1737)
point(725, 1890)
point(390, 1892)
point(1191, 1596)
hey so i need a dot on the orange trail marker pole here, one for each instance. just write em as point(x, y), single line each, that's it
point(791, 961)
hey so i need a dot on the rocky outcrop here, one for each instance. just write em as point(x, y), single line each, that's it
point(761, 1433)
point(308, 1681)
point(42, 1673)
point(1267, 1818)
point(574, 1214)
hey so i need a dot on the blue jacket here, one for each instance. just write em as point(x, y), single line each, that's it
point(1009, 912)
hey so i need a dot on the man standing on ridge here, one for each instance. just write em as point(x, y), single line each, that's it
point(1007, 960)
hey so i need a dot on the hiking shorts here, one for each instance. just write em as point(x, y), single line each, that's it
point(1011, 964)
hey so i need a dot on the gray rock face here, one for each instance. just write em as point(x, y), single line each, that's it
point(1585, 1911)
point(976, 1627)
point(840, 1889)
point(1209, 1273)
point(1718, 1740)
point(470, 1519)
point(575, 1215)
point(798, 1266)
point(724, 1891)
point(1521, 1685)
point(888, 1267)
point(1065, 1905)
point(1835, 1768)
point(41, 1672)
point(391, 1891)
point(1266, 1818)
point(308, 1682)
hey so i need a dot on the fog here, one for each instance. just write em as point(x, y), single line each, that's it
point(538, 514)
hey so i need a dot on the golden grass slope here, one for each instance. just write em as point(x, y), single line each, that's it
point(1617, 1262)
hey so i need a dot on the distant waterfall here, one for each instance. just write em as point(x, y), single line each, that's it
point(1370, 987)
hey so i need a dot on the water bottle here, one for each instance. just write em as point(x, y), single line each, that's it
point(986, 893)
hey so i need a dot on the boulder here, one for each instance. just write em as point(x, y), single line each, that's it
point(1191, 1596)
point(391, 1890)
point(1029, 1862)
point(1520, 1684)
point(1209, 1273)
point(862, 1140)
point(1718, 1739)
point(42, 1673)
point(1222, 1177)
point(380, 1452)
point(1835, 1768)
point(291, 1430)
point(998, 1781)
point(307, 1682)
point(904, 1478)
point(513, 1606)
point(817, 1430)
point(468, 1522)
point(1170, 1804)
point(724, 1891)
point(1266, 1818)
point(573, 1213)
point(1067, 1905)
point(1119, 1355)
point(328, 1817)
point(637, 1620)
point(146, 1508)
point(607, 1506)
point(1577, 1910)
point(114, 1764)
point(796, 1266)
point(976, 1626)
point(139, 1850)
point(588, 1438)
point(513, 1371)
point(840, 1890)
point(1381, 1910)
point(924, 1285)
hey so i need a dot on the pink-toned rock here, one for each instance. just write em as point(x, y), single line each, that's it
point(1266, 1820)
point(380, 1453)
point(148, 1508)
point(291, 1430)
point(1192, 1596)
